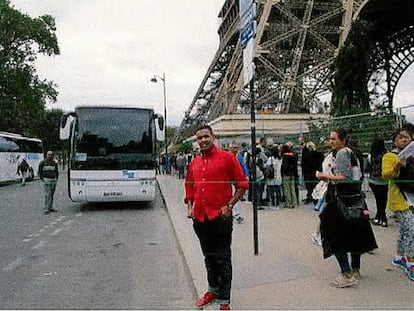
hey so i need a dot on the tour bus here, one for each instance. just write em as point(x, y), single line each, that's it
point(15, 148)
point(112, 154)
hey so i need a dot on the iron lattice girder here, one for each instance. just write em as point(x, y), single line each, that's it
point(299, 49)
point(389, 61)
point(280, 31)
point(391, 29)
point(306, 40)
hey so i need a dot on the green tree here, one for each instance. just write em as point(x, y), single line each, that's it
point(23, 94)
point(350, 94)
point(185, 146)
point(49, 132)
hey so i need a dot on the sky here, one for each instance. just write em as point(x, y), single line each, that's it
point(110, 49)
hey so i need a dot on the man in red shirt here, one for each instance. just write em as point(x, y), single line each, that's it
point(208, 195)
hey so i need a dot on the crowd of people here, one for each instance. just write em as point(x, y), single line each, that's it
point(328, 176)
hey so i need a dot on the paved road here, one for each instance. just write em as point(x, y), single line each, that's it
point(88, 256)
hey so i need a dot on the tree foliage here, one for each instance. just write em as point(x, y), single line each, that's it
point(350, 93)
point(23, 94)
point(49, 131)
point(185, 146)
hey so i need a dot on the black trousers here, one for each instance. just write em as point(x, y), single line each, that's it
point(380, 194)
point(343, 260)
point(215, 241)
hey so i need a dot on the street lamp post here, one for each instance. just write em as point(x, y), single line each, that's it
point(155, 79)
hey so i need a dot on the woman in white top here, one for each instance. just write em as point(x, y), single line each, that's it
point(273, 184)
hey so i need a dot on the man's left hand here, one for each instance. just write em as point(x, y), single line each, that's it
point(226, 211)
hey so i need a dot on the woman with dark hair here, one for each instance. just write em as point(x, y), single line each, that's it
point(401, 202)
point(339, 236)
point(273, 183)
point(378, 186)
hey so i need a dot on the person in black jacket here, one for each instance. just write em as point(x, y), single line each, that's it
point(311, 162)
point(289, 172)
point(49, 174)
point(378, 186)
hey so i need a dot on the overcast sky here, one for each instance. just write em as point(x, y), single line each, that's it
point(110, 49)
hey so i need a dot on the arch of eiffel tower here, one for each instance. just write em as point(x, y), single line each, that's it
point(297, 42)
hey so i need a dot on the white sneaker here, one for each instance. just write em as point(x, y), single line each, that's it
point(342, 281)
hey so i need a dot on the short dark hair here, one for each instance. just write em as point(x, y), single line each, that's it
point(205, 127)
point(407, 127)
point(343, 135)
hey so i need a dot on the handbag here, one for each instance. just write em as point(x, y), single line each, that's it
point(352, 207)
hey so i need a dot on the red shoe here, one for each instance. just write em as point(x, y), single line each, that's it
point(224, 306)
point(207, 298)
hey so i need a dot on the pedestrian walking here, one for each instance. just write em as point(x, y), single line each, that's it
point(341, 237)
point(321, 189)
point(400, 202)
point(49, 174)
point(235, 149)
point(209, 199)
point(22, 169)
point(180, 164)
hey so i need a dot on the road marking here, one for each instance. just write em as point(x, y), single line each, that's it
point(39, 245)
point(14, 264)
point(68, 222)
point(56, 232)
point(26, 240)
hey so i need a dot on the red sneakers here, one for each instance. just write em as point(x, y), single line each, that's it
point(224, 306)
point(207, 298)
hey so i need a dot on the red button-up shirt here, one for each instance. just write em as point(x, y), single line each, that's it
point(208, 182)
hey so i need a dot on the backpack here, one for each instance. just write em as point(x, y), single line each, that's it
point(24, 166)
point(405, 180)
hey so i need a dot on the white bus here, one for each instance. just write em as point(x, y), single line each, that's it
point(14, 148)
point(112, 153)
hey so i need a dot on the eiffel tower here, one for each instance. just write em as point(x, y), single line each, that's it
point(297, 42)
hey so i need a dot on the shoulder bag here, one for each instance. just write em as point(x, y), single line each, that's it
point(352, 207)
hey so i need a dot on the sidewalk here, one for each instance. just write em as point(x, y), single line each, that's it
point(289, 272)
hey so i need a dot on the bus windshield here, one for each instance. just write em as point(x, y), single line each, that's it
point(114, 139)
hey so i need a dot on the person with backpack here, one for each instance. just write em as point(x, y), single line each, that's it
point(399, 201)
point(378, 186)
point(274, 178)
point(261, 159)
point(22, 169)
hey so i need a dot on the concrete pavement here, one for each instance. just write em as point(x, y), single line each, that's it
point(289, 271)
